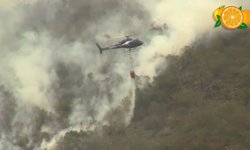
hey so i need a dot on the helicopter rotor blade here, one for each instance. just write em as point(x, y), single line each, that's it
point(109, 37)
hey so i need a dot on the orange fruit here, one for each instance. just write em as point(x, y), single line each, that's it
point(218, 11)
point(246, 14)
point(231, 17)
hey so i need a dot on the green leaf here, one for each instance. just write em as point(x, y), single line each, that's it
point(217, 24)
point(223, 6)
point(243, 26)
point(240, 7)
point(218, 17)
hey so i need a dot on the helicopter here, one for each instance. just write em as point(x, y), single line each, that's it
point(128, 43)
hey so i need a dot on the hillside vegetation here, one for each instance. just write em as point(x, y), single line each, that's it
point(200, 102)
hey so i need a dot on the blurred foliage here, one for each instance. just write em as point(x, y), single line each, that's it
point(200, 102)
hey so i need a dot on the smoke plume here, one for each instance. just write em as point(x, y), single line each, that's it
point(52, 78)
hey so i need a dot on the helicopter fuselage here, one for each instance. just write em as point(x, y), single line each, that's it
point(127, 43)
point(131, 43)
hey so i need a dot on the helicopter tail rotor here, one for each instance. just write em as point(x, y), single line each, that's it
point(100, 48)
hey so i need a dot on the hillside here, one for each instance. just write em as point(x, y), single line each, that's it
point(200, 102)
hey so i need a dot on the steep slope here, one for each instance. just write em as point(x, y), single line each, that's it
point(201, 101)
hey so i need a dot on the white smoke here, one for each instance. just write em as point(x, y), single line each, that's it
point(45, 75)
point(187, 20)
point(31, 66)
point(54, 77)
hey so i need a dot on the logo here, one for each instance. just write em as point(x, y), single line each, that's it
point(231, 17)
